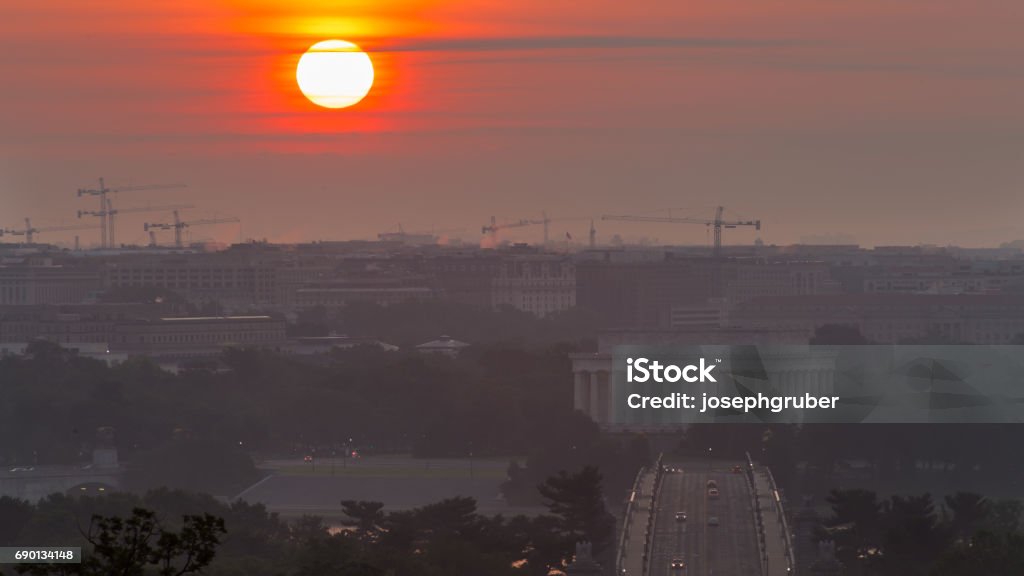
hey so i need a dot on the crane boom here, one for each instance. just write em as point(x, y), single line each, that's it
point(29, 231)
point(178, 225)
point(493, 227)
point(717, 223)
point(106, 211)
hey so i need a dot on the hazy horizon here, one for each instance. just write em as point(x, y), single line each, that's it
point(885, 123)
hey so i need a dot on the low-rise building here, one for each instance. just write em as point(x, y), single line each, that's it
point(893, 318)
point(445, 345)
point(34, 283)
point(195, 337)
point(540, 284)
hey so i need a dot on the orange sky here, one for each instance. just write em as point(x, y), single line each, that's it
point(888, 121)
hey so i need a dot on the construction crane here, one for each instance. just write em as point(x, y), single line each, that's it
point(178, 225)
point(717, 223)
point(492, 228)
point(104, 213)
point(110, 212)
point(422, 237)
point(30, 231)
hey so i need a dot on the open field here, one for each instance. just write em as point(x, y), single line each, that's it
point(391, 467)
point(294, 487)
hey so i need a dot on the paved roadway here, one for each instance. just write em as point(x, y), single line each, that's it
point(729, 549)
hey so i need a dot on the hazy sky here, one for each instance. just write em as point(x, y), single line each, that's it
point(891, 122)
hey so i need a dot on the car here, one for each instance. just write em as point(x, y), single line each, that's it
point(680, 516)
point(677, 564)
point(713, 521)
point(307, 458)
point(712, 492)
point(737, 469)
point(712, 484)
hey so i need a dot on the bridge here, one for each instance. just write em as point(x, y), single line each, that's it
point(676, 526)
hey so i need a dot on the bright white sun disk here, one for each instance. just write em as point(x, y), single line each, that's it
point(334, 74)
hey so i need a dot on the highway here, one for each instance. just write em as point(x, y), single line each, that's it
point(729, 549)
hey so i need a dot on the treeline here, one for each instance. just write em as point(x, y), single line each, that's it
point(963, 535)
point(814, 458)
point(128, 534)
point(195, 429)
point(407, 324)
point(489, 401)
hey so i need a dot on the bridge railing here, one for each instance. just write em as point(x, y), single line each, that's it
point(627, 522)
point(649, 529)
point(762, 548)
point(783, 523)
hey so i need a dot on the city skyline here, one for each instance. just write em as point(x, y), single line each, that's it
point(887, 124)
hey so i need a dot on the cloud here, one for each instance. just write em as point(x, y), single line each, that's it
point(519, 43)
point(211, 46)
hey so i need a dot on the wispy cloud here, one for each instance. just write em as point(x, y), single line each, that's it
point(520, 43)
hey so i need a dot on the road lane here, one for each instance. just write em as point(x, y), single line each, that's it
point(729, 549)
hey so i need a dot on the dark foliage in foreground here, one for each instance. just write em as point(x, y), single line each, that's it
point(126, 534)
point(963, 535)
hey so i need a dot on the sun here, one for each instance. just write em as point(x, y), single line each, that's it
point(334, 74)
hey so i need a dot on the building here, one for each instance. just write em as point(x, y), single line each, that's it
point(43, 282)
point(445, 345)
point(313, 345)
point(892, 318)
point(338, 295)
point(464, 277)
point(540, 284)
point(710, 316)
point(749, 279)
point(958, 277)
point(658, 290)
point(234, 282)
point(639, 292)
point(197, 337)
point(70, 323)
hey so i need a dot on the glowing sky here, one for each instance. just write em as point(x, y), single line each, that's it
point(891, 122)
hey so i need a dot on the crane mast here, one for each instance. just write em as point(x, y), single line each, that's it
point(106, 210)
point(717, 223)
point(493, 228)
point(178, 225)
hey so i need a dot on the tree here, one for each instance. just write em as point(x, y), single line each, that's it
point(854, 525)
point(912, 538)
point(1004, 517)
point(578, 502)
point(986, 553)
point(14, 516)
point(138, 545)
point(969, 510)
point(545, 544)
point(367, 518)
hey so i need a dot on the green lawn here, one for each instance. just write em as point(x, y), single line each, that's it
point(370, 471)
